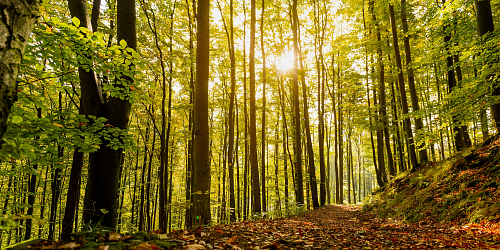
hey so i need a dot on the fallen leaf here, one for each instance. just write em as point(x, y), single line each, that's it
point(232, 240)
point(193, 247)
point(114, 236)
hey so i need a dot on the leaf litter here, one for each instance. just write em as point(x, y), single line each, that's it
point(328, 227)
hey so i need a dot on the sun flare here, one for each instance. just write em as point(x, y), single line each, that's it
point(286, 61)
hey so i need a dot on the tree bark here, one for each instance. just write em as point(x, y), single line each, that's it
point(101, 195)
point(16, 21)
point(484, 19)
point(255, 187)
point(263, 140)
point(402, 89)
point(419, 127)
point(298, 141)
point(201, 165)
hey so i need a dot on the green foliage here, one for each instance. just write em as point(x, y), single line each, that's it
point(443, 192)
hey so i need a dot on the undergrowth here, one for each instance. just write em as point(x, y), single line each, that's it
point(461, 189)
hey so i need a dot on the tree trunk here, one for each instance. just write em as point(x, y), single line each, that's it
point(101, 199)
point(321, 102)
point(419, 127)
point(310, 152)
point(402, 89)
point(231, 118)
point(383, 118)
point(189, 164)
point(298, 142)
point(73, 195)
point(340, 144)
point(484, 18)
point(263, 140)
point(200, 196)
point(245, 114)
point(16, 21)
point(253, 119)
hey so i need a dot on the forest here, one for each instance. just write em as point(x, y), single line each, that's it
point(166, 115)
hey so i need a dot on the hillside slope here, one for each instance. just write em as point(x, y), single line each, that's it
point(460, 190)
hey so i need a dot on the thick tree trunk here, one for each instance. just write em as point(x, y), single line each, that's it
point(200, 196)
point(101, 196)
point(485, 25)
point(16, 21)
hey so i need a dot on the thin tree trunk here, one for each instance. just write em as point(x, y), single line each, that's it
point(263, 140)
point(310, 152)
point(298, 141)
point(255, 187)
point(246, 204)
point(419, 127)
point(73, 195)
point(402, 89)
point(32, 191)
point(231, 119)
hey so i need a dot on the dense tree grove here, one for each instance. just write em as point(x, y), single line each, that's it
point(145, 115)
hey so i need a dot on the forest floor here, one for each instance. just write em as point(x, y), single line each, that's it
point(452, 204)
point(329, 227)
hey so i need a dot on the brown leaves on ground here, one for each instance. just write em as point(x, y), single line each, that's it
point(329, 227)
point(341, 227)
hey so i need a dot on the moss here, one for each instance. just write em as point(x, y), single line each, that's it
point(490, 184)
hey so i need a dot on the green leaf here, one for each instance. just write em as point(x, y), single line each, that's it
point(31, 155)
point(75, 21)
point(25, 146)
point(17, 119)
point(56, 20)
point(123, 43)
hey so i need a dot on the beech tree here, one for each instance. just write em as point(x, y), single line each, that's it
point(17, 19)
point(200, 194)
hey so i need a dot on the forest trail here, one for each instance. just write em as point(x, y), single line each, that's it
point(342, 227)
point(328, 227)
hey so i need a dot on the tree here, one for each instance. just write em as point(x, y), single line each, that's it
point(254, 165)
point(263, 140)
point(485, 26)
point(17, 19)
point(419, 127)
point(402, 90)
point(101, 196)
point(200, 196)
point(298, 142)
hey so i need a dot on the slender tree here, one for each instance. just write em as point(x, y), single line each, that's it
point(419, 126)
point(402, 90)
point(298, 142)
point(255, 187)
point(263, 138)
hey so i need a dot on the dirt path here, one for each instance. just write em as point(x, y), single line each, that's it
point(339, 227)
